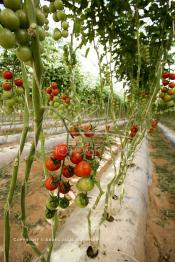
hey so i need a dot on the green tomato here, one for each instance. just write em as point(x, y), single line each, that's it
point(40, 17)
point(41, 33)
point(64, 33)
point(61, 15)
point(52, 8)
point(12, 4)
point(20, 100)
point(85, 184)
point(56, 104)
point(22, 37)
point(56, 99)
point(59, 4)
point(9, 110)
point(19, 91)
point(46, 21)
point(55, 18)
point(65, 25)
point(9, 19)
point(81, 200)
point(56, 35)
point(53, 202)
point(22, 16)
point(45, 9)
point(7, 39)
point(63, 202)
point(10, 102)
point(7, 95)
point(49, 213)
point(46, 27)
point(24, 53)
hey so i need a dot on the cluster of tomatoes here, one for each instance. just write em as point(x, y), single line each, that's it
point(54, 95)
point(52, 91)
point(8, 84)
point(80, 161)
point(58, 14)
point(16, 31)
point(168, 86)
point(11, 91)
point(86, 130)
point(133, 130)
point(154, 123)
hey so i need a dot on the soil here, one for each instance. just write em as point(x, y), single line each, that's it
point(39, 227)
point(160, 238)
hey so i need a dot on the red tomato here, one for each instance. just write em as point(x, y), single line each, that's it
point(171, 84)
point(76, 157)
point(164, 89)
point(171, 92)
point(165, 82)
point(55, 92)
point(53, 85)
point(82, 169)
point(172, 76)
point(150, 131)
point(98, 152)
point(49, 90)
point(6, 86)
point(51, 183)
point(88, 131)
point(52, 164)
point(59, 151)
point(74, 131)
point(64, 187)
point(133, 134)
point(18, 82)
point(154, 123)
point(67, 100)
point(89, 153)
point(50, 97)
point(165, 74)
point(68, 171)
point(134, 128)
point(7, 75)
point(63, 97)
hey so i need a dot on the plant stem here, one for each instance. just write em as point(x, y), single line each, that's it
point(15, 171)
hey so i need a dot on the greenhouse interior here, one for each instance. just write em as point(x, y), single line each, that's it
point(87, 130)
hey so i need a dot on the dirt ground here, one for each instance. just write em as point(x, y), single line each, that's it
point(160, 239)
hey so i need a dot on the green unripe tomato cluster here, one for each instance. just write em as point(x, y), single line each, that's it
point(15, 30)
point(56, 7)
